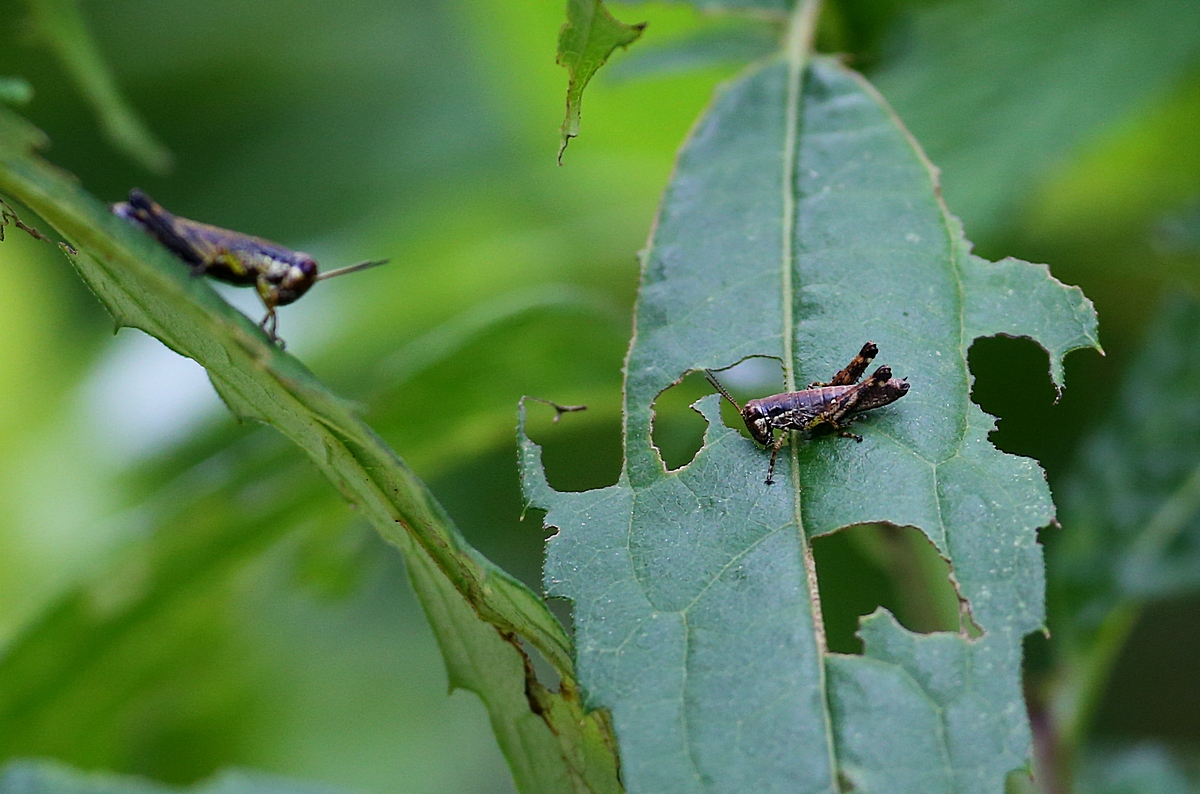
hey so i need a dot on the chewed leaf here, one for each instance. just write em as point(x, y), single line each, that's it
point(802, 220)
point(1015, 298)
point(588, 38)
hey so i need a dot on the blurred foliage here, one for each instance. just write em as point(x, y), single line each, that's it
point(47, 778)
point(426, 132)
point(59, 25)
point(15, 91)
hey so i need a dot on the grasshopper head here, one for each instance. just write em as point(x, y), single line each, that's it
point(296, 280)
point(758, 422)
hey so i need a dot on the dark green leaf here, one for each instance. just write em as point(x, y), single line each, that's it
point(1132, 506)
point(802, 220)
point(1144, 769)
point(587, 39)
point(1179, 232)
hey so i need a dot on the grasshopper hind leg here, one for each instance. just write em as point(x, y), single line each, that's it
point(855, 369)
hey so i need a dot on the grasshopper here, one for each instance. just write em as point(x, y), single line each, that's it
point(280, 275)
point(836, 404)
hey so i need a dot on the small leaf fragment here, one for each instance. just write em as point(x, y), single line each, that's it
point(587, 39)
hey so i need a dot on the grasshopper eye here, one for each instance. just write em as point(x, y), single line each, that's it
point(758, 422)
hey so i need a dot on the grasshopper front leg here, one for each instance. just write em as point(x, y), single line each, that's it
point(779, 442)
point(270, 323)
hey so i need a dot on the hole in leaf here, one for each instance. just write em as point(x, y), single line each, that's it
point(678, 430)
point(864, 567)
point(1012, 382)
point(580, 452)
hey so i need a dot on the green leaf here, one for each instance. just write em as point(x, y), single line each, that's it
point(801, 221)
point(586, 40)
point(477, 610)
point(1179, 232)
point(42, 777)
point(61, 27)
point(777, 8)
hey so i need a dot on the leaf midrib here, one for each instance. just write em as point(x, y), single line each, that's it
point(799, 52)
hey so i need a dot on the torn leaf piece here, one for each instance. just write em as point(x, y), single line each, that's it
point(588, 37)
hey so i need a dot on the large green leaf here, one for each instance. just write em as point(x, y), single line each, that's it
point(801, 221)
point(29, 777)
point(477, 611)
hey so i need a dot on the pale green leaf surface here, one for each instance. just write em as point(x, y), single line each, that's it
point(61, 27)
point(586, 41)
point(144, 286)
point(694, 620)
point(40, 777)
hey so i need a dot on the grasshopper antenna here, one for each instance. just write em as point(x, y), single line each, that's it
point(341, 271)
point(724, 392)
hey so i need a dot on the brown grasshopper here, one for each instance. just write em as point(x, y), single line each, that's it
point(836, 403)
point(279, 274)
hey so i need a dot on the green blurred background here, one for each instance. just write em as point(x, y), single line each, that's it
point(209, 601)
